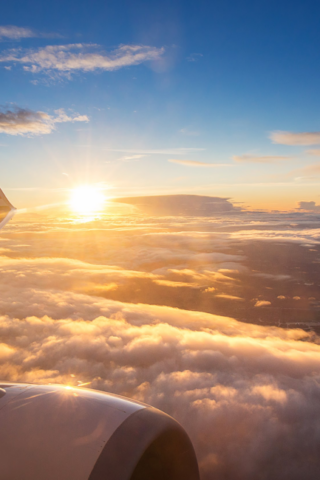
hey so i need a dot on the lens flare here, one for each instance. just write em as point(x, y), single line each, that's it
point(87, 199)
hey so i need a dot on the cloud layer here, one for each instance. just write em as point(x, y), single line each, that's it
point(66, 59)
point(20, 121)
point(247, 394)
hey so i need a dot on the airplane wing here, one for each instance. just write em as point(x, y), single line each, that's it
point(7, 210)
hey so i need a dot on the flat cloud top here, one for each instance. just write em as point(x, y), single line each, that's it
point(196, 205)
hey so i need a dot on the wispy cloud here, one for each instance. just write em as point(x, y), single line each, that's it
point(189, 133)
point(66, 59)
point(20, 121)
point(127, 158)
point(194, 57)
point(309, 207)
point(164, 151)
point(308, 171)
point(195, 163)
point(292, 138)
point(12, 32)
point(15, 33)
point(259, 159)
point(315, 153)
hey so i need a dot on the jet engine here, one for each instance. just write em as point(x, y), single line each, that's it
point(55, 432)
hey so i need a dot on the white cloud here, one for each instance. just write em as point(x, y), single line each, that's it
point(292, 138)
point(260, 159)
point(19, 121)
point(247, 395)
point(15, 33)
point(66, 59)
point(195, 163)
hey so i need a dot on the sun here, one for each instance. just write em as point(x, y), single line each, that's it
point(87, 199)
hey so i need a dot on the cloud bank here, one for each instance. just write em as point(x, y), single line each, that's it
point(248, 396)
point(309, 207)
point(66, 59)
point(196, 205)
point(20, 121)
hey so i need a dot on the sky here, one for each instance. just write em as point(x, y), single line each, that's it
point(184, 139)
point(148, 98)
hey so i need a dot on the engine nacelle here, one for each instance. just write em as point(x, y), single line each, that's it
point(54, 432)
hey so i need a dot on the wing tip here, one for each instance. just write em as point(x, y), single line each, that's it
point(5, 202)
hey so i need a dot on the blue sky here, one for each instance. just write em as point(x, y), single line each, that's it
point(123, 87)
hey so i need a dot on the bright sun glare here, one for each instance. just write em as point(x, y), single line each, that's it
point(87, 199)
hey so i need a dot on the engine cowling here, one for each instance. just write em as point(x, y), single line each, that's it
point(56, 432)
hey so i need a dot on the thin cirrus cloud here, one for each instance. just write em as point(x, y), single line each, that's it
point(163, 151)
point(295, 138)
point(128, 158)
point(315, 153)
point(12, 32)
point(15, 33)
point(20, 121)
point(260, 159)
point(63, 60)
point(308, 171)
point(195, 163)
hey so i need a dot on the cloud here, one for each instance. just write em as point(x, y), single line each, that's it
point(15, 33)
point(196, 205)
point(292, 138)
point(260, 159)
point(127, 158)
point(194, 57)
point(64, 60)
point(228, 297)
point(262, 303)
point(189, 133)
point(247, 395)
point(315, 152)
point(309, 206)
point(20, 121)
point(308, 171)
point(195, 163)
point(164, 151)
